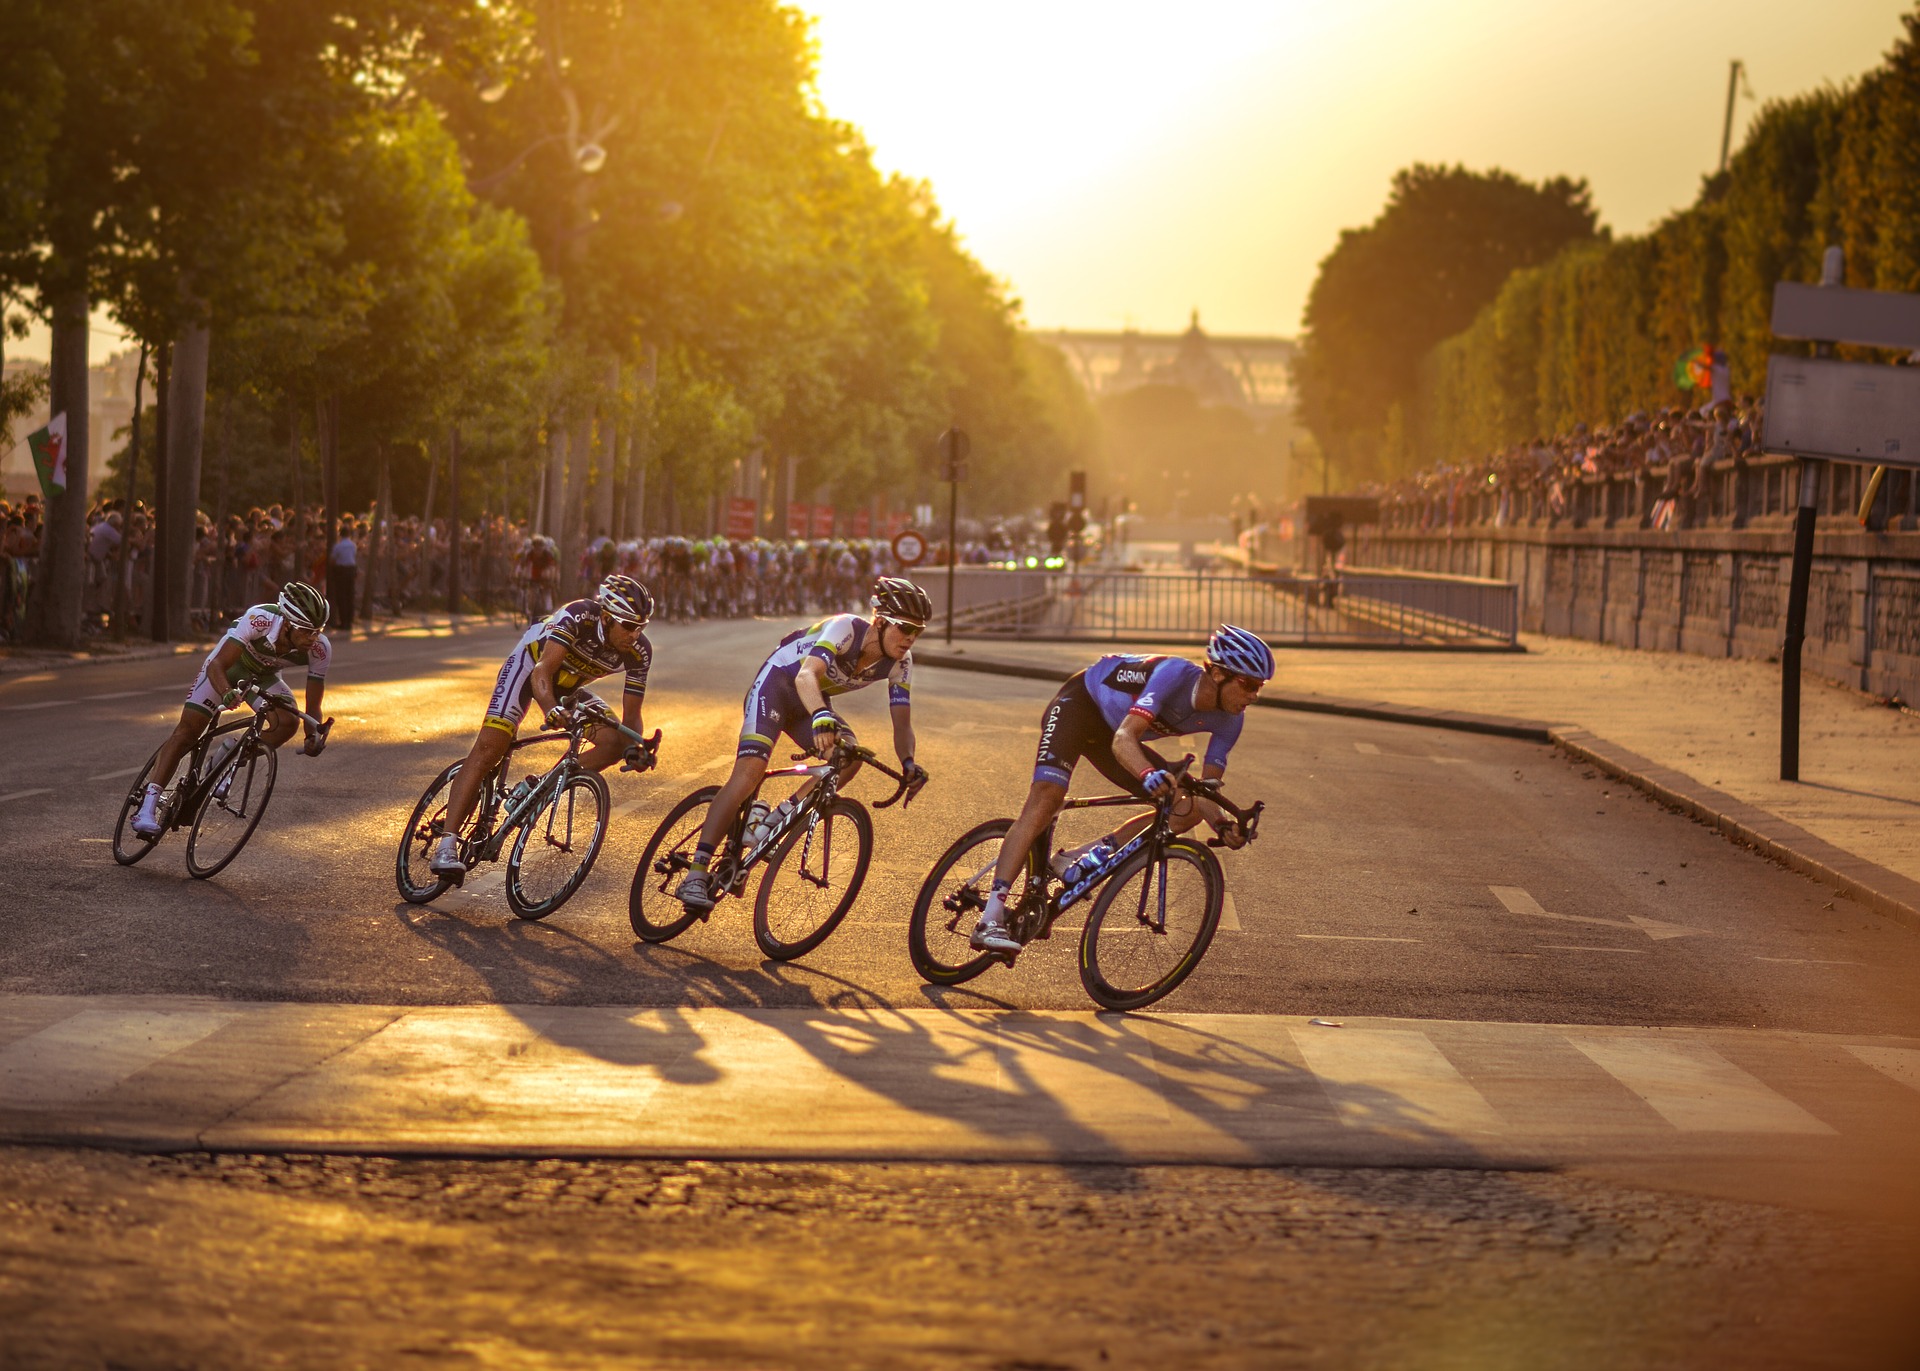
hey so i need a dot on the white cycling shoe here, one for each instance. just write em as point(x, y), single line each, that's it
point(696, 891)
point(446, 857)
point(991, 933)
point(147, 822)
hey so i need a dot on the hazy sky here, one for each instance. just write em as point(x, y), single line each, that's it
point(1122, 162)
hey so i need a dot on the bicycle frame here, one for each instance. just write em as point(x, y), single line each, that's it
point(189, 791)
point(487, 849)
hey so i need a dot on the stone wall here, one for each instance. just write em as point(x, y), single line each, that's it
point(1719, 592)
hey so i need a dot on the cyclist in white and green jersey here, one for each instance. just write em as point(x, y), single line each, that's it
point(262, 643)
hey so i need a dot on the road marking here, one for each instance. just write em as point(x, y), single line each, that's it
point(124, 694)
point(1806, 961)
point(1582, 947)
point(92, 1052)
point(1449, 761)
point(1901, 1063)
point(117, 775)
point(1230, 916)
point(489, 882)
point(1518, 901)
point(42, 704)
point(1367, 748)
point(1352, 938)
point(1394, 1081)
point(1696, 1089)
point(22, 794)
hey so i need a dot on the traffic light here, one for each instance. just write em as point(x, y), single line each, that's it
point(1057, 528)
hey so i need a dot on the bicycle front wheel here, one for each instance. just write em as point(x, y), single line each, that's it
point(652, 909)
point(949, 905)
point(230, 810)
point(128, 846)
point(1151, 925)
point(812, 880)
point(556, 846)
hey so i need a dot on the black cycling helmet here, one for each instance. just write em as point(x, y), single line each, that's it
point(898, 599)
point(626, 600)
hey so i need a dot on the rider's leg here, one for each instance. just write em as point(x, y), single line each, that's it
point(493, 743)
point(609, 746)
point(696, 891)
point(1044, 799)
point(179, 743)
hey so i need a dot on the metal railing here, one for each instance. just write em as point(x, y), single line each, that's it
point(1107, 605)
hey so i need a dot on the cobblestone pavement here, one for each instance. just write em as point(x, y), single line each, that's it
point(228, 1261)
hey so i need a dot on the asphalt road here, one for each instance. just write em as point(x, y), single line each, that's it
point(1401, 871)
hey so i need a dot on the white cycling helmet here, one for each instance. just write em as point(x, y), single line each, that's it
point(1240, 652)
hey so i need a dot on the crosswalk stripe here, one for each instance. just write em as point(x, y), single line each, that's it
point(1696, 1089)
point(23, 794)
point(1369, 749)
point(93, 1051)
point(1395, 1081)
point(1901, 1063)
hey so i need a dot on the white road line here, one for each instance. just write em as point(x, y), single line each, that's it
point(1696, 1089)
point(123, 694)
point(1368, 748)
point(1230, 916)
point(94, 1051)
point(42, 704)
point(116, 775)
point(1394, 1081)
point(1584, 947)
point(23, 794)
point(1806, 961)
point(1901, 1063)
point(1518, 901)
point(1449, 761)
point(1352, 938)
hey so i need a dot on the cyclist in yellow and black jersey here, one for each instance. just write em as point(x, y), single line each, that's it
point(578, 643)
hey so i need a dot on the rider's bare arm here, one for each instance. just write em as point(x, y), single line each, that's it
point(541, 682)
point(1126, 744)
point(808, 683)
point(903, 732)
point(220, 669)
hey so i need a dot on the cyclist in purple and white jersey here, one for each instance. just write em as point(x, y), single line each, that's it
point(1104, 714)
point(790, 695)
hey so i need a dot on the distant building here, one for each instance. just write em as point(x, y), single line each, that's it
point(109, 411)
point(1246, 371)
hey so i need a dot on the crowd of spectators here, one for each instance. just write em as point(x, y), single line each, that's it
point(1665, 458)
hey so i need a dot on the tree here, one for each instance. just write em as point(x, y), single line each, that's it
point(1437, 253)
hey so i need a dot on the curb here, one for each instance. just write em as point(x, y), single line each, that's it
point(1885, 892)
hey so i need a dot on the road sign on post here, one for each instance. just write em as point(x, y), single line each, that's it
point(953, 453)
point(1847, 411)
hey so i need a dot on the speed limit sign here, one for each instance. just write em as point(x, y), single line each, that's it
point(909, 547)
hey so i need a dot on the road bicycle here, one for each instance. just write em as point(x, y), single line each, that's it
point(555, 822)
point(815, 853)
point(222, 794)
point(1157, 905)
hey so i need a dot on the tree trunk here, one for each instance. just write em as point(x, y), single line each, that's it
point(453, 521)
point(327, 422)
point(553, 489)
point(383, 499)
point(573, 513)
point(158, 624)
point(186, 416)
point(121, 597)
point(293, 467)
point(433, 479)
point(54, 602)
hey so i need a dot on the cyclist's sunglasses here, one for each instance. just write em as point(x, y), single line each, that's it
point(1252, 685)
point(635, 624)
point(911, 630)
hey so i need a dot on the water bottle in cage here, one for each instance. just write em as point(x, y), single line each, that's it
point(759, 825)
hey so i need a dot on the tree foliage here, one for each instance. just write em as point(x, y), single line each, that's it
point(1437, 253)
point(1594, 334)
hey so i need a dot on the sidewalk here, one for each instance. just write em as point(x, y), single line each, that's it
point(1709, 728)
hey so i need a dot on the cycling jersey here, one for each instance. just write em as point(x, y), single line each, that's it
point(266, 649)
point(578, 628)
point(1161, 690)
point(773, 704)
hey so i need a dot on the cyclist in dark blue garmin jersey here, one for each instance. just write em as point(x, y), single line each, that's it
point(1103, 714)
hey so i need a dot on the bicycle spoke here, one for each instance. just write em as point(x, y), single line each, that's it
point(556, 847)
point(812, 880)
point(1150, 927)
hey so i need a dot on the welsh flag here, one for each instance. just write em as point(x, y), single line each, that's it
point(1695, 370)
point(49, 445)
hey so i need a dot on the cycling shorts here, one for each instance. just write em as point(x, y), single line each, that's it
point(512, 692)
point(206, 699)
point(773, 707)
point(1073, 728)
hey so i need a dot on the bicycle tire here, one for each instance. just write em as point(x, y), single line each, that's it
point(648, 925)
point(242, 770)
point(1123, 933)
point(774, 942)
point(539, 824)
point(134, 847)
point(424, 826)
point(937, 963)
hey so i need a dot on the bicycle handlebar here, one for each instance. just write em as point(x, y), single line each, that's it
point(904, 791)
point(1246, 820)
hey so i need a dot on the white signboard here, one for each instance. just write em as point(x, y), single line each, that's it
point(1847, 411)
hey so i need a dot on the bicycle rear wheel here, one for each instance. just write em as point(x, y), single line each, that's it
point(556, 846)
point(411, 873)
point(235, 798)
point(1129, 955)
point(950, 902)
point(812, 880)
point(128, 846)
point(653, 911)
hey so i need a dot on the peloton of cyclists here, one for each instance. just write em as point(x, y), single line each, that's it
point(1102, 714)
point(258, 646)
point(578, 643)
point(790, 694)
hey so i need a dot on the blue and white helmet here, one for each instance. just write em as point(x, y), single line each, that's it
point(1240, 652)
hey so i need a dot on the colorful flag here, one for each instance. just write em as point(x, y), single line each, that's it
point(49, 446)
point(1695, 370)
